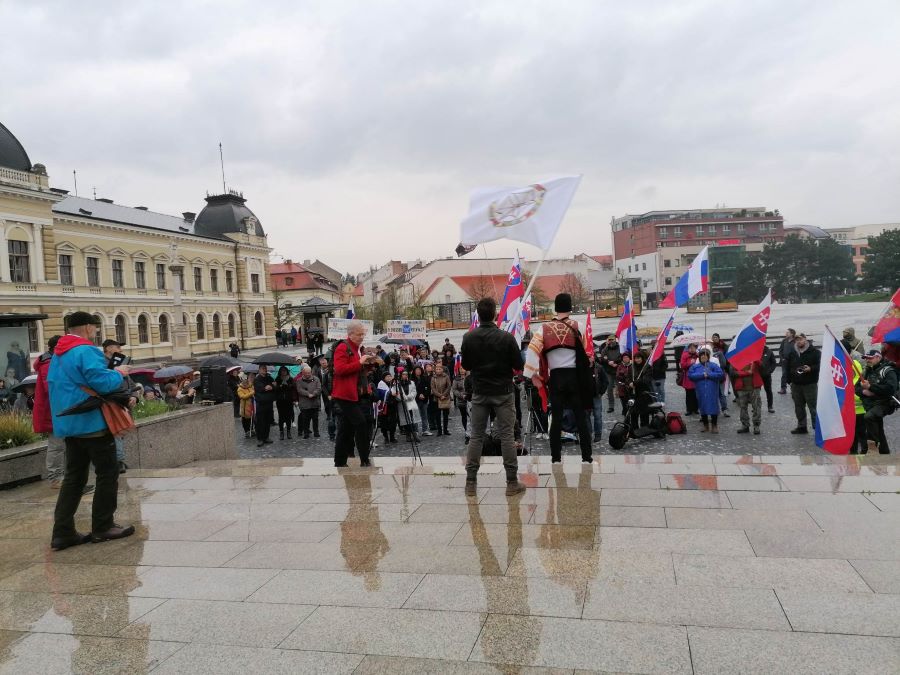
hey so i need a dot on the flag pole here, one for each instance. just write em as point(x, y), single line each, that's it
point(534, 275)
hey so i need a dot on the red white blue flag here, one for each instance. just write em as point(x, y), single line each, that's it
point(695, 280)
point(661, 339)
point(835, 405)
point(457, 363)
point(474, 323)
point(589, 337)
point(626, 332)
point(748, 344)
point(350, 313)
point(888, 327)
point(526, 313)
point(512, 296)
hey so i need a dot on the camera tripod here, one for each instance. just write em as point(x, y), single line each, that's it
point(411, 437)
point(532, 423)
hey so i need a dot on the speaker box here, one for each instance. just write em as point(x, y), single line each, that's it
point(213, 384)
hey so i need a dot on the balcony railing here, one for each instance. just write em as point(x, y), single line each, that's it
point(25, 288)
point(22, 177)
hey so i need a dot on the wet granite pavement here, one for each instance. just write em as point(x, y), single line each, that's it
point(766, 563)
point(775, 438)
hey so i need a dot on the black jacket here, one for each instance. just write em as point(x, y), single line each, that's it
point(262, 396)
point(611, 352)
point(882, 382)
point(601, 379)
point(491, 355)
point(659, 367)
point(810, 357)
point(767, 362)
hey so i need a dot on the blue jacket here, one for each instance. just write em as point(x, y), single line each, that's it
point(706, 378)
point(78, 363)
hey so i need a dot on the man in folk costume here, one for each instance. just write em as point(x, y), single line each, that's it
point(551, 359)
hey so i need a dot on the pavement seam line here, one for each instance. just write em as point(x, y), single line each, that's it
point(775, 591)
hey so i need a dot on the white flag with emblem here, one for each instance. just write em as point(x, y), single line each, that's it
point(530, 213)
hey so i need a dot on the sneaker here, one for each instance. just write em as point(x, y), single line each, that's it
point(771, 410)
point(744, 430)
point(725, 413)
point(123, 467)
point(512, 488)
point(800, 430)
point(115, 532)
point(756, 431)
point(782, 391)
point(471, 488)
point(427, 433)
point(67, 542)
point(587, 461)
point(88, 489)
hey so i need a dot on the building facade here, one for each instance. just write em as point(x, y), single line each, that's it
point(654, 249)
point(168, 286)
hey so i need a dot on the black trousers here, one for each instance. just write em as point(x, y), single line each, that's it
point(564, 394)
point(434, 423)
point(767, 386)
point(874, 419)
point(464, 415)
point(285, 414)
point(690, 401)
point(352, 426)
point(307, 416)
point(265, 413)
point(80, 454)
point(246, 422)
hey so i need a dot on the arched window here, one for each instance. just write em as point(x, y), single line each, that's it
point(98, 338)
point(201, 327)
point(258, 323)
point(217, 325)
point(163, 328)
point(121, 329)
point(231, 325)
point(143, 329)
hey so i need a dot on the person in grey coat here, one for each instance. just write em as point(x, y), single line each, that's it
point(309, 394)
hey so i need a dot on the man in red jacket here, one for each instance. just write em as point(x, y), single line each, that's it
point(42, 420)
point(747, 382)
point(348, 377)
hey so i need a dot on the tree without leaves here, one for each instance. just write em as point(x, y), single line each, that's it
point(482, 287)
point(538, 297)
point(577, 287)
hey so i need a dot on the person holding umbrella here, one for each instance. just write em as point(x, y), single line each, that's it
point(285, 397)
point(264, 393)
point(78, 363)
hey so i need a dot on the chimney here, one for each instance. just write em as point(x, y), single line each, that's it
point(306, 263)
point(189, 216)
point(288, 262)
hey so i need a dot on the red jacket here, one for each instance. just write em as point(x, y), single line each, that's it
point(41, 420)
point(346, 372)
point(753, 369)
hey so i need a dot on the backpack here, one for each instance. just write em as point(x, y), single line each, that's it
point(675, 424)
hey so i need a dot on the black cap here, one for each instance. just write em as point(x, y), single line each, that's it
point(107, 343)
point(562, 303)
point(77, 319)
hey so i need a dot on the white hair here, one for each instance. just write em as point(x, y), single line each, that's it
point(354, 325)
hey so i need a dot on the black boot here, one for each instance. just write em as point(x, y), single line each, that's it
point(289, 433)
point(281, 434)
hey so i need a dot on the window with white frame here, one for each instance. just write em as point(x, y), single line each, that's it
point(118, 276)
point(66, 273)
point(19, 268)
point(92, 265)
point(140, 276)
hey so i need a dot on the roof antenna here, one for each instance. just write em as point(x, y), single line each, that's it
point(75, 178)
point(222, 162)
point(95, 192)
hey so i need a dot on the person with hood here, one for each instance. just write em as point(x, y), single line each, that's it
point(706, 375)
point(852, 343)
point(264, 394)
point(440, 393)
point(309, 396)
point(247, 408)
point(877, 388)
point(42, 420)
point(285, 397)
point(78, 363)
point(326, 379)
point(610, 356)
point(388, 398)
point(688, 359)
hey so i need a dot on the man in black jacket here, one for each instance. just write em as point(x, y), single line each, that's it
point(876, 388)
point(803, 376)
point(610, 356)
point(491, 355)
point(264, 394)
point(768, 367)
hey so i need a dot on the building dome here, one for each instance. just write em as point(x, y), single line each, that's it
point(12, 154)
point(226, 214)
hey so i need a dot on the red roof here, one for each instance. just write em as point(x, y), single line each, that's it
point(300, 279)
point(284, 268)
point(359, 291)
point(603, 259)
point(473, 284)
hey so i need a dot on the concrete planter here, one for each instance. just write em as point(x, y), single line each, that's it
point(163, 442)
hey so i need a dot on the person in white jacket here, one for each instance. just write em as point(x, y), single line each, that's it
point(408, 410)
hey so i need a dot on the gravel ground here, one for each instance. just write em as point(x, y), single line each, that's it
point(774, 440)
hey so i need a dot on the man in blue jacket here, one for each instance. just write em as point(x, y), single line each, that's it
point(78, 363)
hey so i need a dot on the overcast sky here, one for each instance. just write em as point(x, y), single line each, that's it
point(357, 129)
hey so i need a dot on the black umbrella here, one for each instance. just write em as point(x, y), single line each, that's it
point(250, 368)
point(600, 337)
point(315, 329)
point(275, 359)
point(27, 381)
point(119, 396)
point(222, 360)
point(399, 341)
point(172, 371)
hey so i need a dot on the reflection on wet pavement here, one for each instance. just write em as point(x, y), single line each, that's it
point(291, 565)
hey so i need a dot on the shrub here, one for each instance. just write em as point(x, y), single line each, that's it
point(145, 409)
point(15, 430)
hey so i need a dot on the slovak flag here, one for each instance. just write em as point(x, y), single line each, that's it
point(748, 344)
point(512, 296)
point(526, 313)
point(695, 280)
point(626, 332)
point(474, 323)
point(661, 339)
point(888, 327)
point(835, 405)
point(589, 338)
point(350, 313)
point(457, 363)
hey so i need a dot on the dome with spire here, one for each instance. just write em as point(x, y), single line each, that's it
point(226, 214)
point(12, 154)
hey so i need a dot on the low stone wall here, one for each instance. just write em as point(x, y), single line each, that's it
point(163, 442)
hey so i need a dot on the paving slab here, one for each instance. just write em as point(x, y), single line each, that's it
point(619, 566)
point(685, 605)
point(674, 498)
point(388, 632)
point(722, 650)
point(594, 645)
point(739, 519)
point(201, 583)
point(799, 500)
point(219, 660)
point(851, 613)
point(659, 540)
point(540, 536)
point(393, 665)
point(364, 588)
point(786, 544)
point(882, 576)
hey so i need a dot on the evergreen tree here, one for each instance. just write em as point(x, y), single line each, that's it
point(881, 270)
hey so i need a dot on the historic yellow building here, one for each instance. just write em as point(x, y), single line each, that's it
point(169, 286)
